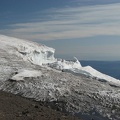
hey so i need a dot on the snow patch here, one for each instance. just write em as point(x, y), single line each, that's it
point(26, 73)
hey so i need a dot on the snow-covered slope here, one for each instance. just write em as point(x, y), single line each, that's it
point(30, 70)
point(76, 68)
point(100, 75)
point(41, 54)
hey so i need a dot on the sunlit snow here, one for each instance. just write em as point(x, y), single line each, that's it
point(31, 70)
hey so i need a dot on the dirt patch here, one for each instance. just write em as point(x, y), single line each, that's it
point(13, 107)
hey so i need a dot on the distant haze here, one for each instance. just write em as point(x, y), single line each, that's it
point(86, 29)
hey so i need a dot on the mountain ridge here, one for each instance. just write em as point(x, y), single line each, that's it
point(50, 79)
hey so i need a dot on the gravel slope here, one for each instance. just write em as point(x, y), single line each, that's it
point(13, 107)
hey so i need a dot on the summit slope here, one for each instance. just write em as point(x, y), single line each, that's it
point(30, 70)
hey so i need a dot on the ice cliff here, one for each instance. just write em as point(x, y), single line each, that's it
point(30, 70)
point(29, 51)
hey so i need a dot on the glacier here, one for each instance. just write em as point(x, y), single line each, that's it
point(33, 52)
point(30, 69)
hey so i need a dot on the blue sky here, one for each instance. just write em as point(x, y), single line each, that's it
point(87, 29)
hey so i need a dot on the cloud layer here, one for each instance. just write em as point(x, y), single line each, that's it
point(70, 23)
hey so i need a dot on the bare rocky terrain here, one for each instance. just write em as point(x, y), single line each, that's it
point(14, 107)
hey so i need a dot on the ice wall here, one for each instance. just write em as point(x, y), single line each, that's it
point(29, 51)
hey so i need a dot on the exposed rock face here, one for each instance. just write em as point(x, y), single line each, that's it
point(22, 72)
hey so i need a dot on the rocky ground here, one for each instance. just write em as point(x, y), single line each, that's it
point(13, 107)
